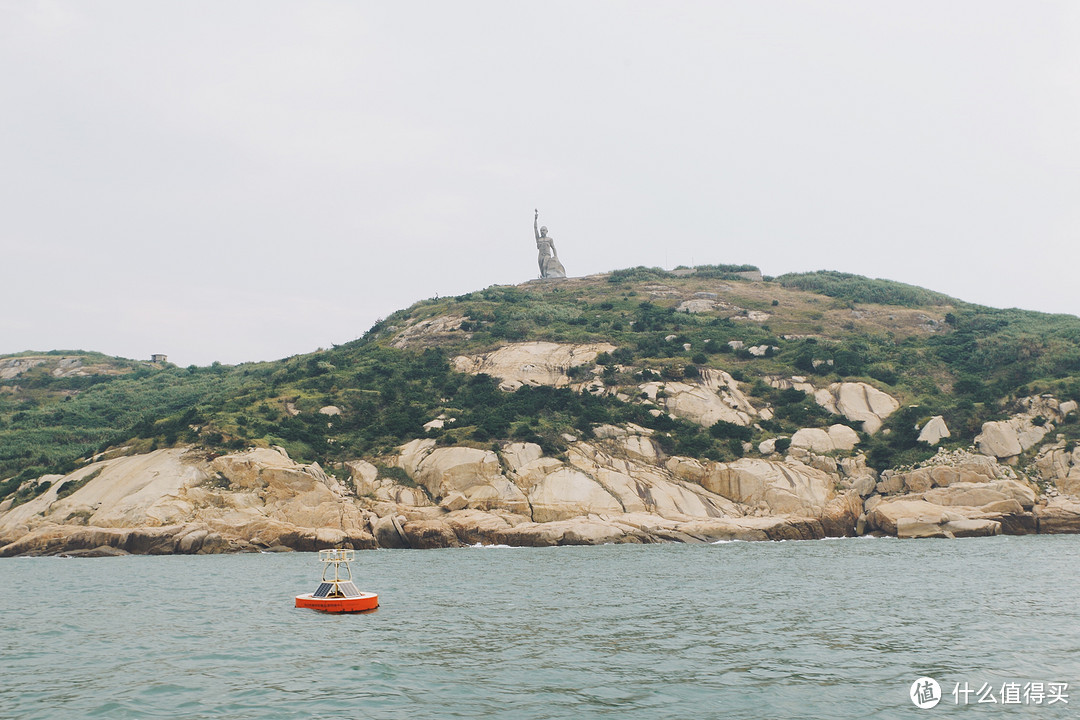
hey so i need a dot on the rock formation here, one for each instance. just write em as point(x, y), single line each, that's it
point(533, 363)
point(857, 401)
point(617, 486)
point(713, 396)
point(934, 431)
point(1006, 439)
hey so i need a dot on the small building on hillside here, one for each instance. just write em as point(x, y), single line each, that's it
point(159, 358)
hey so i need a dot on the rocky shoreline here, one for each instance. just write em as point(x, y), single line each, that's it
point(616, 488)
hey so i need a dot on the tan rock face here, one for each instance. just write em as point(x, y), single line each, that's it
point(934, 431)
point(568, 493)
point(431, 330)
point(1059, 515)
point(367, 482)
point(476, 474)
point(716, 396)
point(814, 439)
point(779, 487)
point(646, 488)
point(518, 455)
point(925, 527)
point(253, 499)
point(1025, 429)
point(858, 401)
point(1007, 438)
point(946, 469)
point(615, 487)
point(837, 437)
point(127, 492)
point(533, 363)
point(1061, 467)
point(958, 510)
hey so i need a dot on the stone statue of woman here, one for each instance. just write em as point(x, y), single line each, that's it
point(547, 257)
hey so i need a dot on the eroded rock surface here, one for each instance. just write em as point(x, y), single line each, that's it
point(1006, 439)
point(858, 401)
point(531, 363)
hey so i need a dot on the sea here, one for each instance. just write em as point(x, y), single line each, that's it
point(844, 628)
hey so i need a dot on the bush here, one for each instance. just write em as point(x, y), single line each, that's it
point(637, 274)
point(724, 429)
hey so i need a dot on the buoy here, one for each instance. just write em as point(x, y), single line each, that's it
point(339, 595)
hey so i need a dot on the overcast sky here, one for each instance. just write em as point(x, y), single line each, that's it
point(242, 181)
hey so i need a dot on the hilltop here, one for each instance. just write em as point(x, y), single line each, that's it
point(697, 375)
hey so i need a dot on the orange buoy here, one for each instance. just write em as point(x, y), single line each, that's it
point(339, 595)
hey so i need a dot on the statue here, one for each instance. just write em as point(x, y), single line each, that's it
point(550, 267)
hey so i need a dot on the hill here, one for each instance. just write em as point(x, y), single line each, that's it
point(712, 363)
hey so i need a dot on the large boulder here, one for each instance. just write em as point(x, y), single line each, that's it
point(575, 531)
point(1006, 439)
point(944, 469)
point(256, 498)
point(631, 440)
point(837, 437)
point(148, 489)
point(858, 401)
point(980, 494)
point(424, 534)
point(925, 527)
point(934, 431)
point(1009, 438)
point(474, 527)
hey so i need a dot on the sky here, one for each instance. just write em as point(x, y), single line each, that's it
point(246, 180)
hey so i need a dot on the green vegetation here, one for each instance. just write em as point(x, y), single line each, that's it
point(939, 355)
point(857, 288)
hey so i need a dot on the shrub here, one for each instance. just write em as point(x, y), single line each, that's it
point(724, 429)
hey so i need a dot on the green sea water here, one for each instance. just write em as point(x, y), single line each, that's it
point(817, 629)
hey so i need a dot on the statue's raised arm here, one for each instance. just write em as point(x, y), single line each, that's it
point(536, 224)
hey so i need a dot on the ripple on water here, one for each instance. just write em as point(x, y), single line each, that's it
point(795, 629)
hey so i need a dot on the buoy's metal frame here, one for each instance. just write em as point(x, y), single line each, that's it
point(336, 558)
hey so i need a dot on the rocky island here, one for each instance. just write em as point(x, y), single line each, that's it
point(640, 406)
